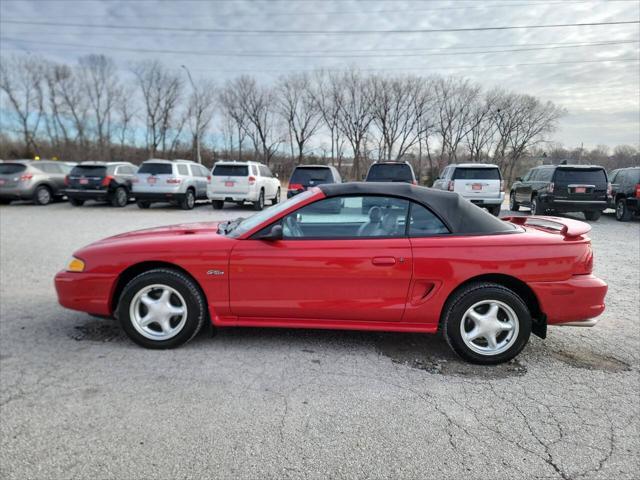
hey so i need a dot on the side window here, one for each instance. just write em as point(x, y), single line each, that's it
point(205, 171)
point(264, 171)
point(424, 223)
point(254, 170)
point(443, 173)
point(182, 169)
point(544, 175)
point(49, 168)
point(531, 176)
point(348, 217)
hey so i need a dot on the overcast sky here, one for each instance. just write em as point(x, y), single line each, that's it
point(602, 98)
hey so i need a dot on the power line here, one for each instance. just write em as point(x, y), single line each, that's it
point(314, 32)
point(436, 52)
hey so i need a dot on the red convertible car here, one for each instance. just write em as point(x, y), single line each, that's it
point(418, 260)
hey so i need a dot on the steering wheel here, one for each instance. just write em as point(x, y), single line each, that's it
point(292, 225)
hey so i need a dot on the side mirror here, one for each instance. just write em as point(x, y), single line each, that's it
point(274, 234)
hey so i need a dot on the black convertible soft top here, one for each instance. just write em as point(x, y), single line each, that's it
point(460, 215)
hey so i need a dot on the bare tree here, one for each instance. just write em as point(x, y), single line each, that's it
point(298, 108)
point(161, 91)
point(200, 113)
point(21, 79)
point(100, 82)
point(230, 102)
point(480, 136)
point(125, 113)
point(355, 114)
point(328, 97)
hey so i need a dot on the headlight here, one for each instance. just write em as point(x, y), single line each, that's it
point(75, 265)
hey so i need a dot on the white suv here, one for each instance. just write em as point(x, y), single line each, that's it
point(241, 182)
point(480, 183)
point(180, 182)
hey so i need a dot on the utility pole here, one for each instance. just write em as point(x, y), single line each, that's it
point(197, 94)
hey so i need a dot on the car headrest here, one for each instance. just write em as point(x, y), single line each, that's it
point(375, 214)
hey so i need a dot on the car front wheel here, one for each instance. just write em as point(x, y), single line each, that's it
point(623, 214)
point(486, 323)
point(161, 308)
point(259, 205)
point(535, 207)
point(276, 199)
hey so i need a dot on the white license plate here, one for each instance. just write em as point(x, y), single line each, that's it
point(151, 180)
point(84, 181)
point(476, 186)
point(580, 190)
point(229, 184)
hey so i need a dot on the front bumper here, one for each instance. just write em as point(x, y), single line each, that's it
point(86, 292)
point(578, 299)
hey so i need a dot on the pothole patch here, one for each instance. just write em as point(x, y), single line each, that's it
point(98, 331)
point(591, 361)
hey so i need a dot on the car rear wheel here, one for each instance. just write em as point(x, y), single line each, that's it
point(535, 207)
point(592, 215)
point(259, 205)
point(142, 204)
point(486, 323)
point(42, 195)
point(276, 199)
point(513, 205)
point(623, 214)
point(76, 202)
point(120, 197)
point(189, 200)
point(217, 204)
point(495, 211)
point(161, 308)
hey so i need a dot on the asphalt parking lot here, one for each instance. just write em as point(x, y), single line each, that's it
point(79, 400)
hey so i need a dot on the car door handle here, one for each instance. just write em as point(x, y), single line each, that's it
point(382, 261)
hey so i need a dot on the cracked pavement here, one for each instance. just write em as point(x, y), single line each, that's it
point(78, 400)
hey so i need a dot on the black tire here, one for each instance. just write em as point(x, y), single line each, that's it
point(623, 214)
point(189, 290)
point(217, 204)
point(535, 206)
point(142, 204)
point(188, 201)
point(42, 195)
point(513, 205)
point(461, 301)
point(76, 202)
point(276, 199)
point(495, 211)
point(259, 205)
point(592, 215)
point(120, 197)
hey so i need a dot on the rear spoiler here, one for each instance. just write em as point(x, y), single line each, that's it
point(564, 226)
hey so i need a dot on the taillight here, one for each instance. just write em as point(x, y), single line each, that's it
point(551, 187)
point(450, 186)
point(26, 177)
point(585, 264)
point(502, 185)
point(609, 189)
point(637, 190)
point(208, 178)
point(66, 179)
point(173, 180)
point(107, 180)
point(252, 180)
point(295, 186)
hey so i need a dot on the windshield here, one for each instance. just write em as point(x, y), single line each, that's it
point(385, 172)
point(230, 171)
point(261, 217)
point(311, 176)
point(476, 174)
point(11, 168)
point(156, 168)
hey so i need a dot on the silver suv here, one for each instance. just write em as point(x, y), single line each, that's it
point(38, 180)
point(480, 183)
point(180, 182)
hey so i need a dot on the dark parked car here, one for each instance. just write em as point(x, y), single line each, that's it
point(391, 172)
point(38, 180)
point(305, 176)
point(101, 181)
point(625, 192)
point(562, 188)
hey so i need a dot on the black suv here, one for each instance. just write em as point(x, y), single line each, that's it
point(306, 176)
point(391, 172)
point(102, 181)
point(625, 192)
point(562, 188)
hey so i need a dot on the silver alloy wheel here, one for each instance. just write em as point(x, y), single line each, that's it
point(620, 209)
point(44, 196)
point(489, 327)
point(158, 312)
point(191, 199)
point(534, 207)
point(121, 196)
point(277, 196)
point(512, 201)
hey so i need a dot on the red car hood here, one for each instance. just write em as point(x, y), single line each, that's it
point(169, 230)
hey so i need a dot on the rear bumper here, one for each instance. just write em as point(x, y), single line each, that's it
point(87, 194)
point(86, 292)
point(16, 193)
point(158, 196)
point(486, 201)
point(250, 196)
point(579, 299)
point(562, 205)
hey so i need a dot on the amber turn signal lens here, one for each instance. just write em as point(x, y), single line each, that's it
point(75, 265)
